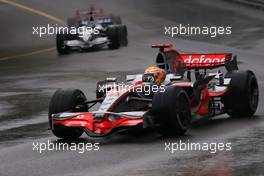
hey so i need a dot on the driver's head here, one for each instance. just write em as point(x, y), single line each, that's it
point(154, 75)
point(91, 18)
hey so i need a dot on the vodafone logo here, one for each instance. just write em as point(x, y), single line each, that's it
point(203, 59)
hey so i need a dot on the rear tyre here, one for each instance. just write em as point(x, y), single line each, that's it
point(242, 98)
point(171, 110)
point(69, 100)
point(113, 34)
point(60, 44)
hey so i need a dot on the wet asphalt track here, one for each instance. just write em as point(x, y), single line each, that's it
point(27, 84)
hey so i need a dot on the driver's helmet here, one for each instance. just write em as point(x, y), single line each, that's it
point(154, 75)
point(92, 18)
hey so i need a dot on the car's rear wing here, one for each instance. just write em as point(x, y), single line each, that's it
point(172, 61)
point(92, 11)
point(203, 61)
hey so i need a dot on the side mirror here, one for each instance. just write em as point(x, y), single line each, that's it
point(113, 79)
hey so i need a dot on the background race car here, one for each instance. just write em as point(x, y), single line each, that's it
point(92, 29)
point(169, 104)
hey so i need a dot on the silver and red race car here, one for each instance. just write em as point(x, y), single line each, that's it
point(91, 29)
point(191, 91)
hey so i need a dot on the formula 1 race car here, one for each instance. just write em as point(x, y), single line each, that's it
point(90, 30)
point(167, 97)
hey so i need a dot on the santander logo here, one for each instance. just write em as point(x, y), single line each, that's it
point(203, 59)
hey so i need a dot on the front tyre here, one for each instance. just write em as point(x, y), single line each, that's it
point(69, 100)
point(62, 48)
point(171, 110)
point(242, 98)
point(113, 34)
point(123, 35)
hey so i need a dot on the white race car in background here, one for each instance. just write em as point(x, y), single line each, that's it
point(97, 31)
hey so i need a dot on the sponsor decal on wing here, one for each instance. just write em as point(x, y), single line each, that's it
point(204, 60)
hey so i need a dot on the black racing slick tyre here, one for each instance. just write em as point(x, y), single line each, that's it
point(172, 111)
point(113, 34)
point(68, 100)
point(123, 35)
point(242, 98)
point(60, 44)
